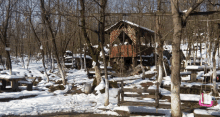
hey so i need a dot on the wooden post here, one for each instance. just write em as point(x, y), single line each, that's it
point(134, 62)
point(157, 96)
point(29, 87)
point(14, 85)
point(3, 84)
point(193, 76)
point(122, 92)
point(164, 69)
point(119, 97)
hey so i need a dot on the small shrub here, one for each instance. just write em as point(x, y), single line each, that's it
point(54, 88)
point(35, 83)
point(59, 82)
point(113, 84)
point(102, 91)
point(51, 88)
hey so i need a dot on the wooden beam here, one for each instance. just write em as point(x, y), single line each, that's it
point(135, 14)
point(204, 13)
point(139, 90)
point(156, 14)
point(138, 95)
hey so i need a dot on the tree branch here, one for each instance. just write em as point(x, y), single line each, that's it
point(95, 31)
point(213, 3)
point(192, 8)
point(97, 2)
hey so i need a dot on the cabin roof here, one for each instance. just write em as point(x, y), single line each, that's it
point(108, 30)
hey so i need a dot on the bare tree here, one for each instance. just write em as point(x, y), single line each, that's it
point(214, 62)
point(46, 19)
point(94, 52)
point(39, 43)
point(102, 38)
point(178, 23)
point(9, 4)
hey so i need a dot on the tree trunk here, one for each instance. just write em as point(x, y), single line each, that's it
point(98, 73)
point(102, 38)
point(94, 52)
point(46, 19)
point(84, 57)
point(29, 58)
point(22, 56)
point(194, 57)
point(160, 62)
point(53, 65)
point(40, 46)
point(43, 62)
point(81, 63)
point(189, 51)
point(175, 75)
point(214, 68)
point(210, 43)
point(200, 41)
point(9, 62)
point(160, 44)
point(4, 35)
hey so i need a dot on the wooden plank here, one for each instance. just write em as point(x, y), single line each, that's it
point(150, 104)
point(148, 113)
point(139, 90)
point(93, 69)
point(119, 81)
point(208, 88)
point(138, 95)
point(200, 115)
point(185, 73)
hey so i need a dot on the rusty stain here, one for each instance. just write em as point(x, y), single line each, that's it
point(123, 51)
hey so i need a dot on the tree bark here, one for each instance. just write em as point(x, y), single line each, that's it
point(93, 52)
point(175, 75)
point(160, 53)
point(160, 45)
point(102, 37)
point(178, 23)
point(214, 67)
point(84, 57)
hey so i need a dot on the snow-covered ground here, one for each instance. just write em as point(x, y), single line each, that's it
point(42, 101)
point(57, 101)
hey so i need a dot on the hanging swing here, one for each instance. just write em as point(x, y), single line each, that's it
point(206, 98)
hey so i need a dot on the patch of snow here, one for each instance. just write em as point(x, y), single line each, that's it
point(184, 11)
point(131, 23)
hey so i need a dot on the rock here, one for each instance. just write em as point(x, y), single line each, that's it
point(88, 88)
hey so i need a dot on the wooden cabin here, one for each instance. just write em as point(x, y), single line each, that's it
point(125, 39)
